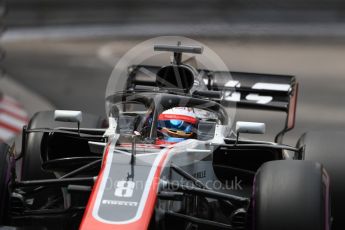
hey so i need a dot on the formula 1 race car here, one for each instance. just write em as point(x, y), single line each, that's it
point(167, 158)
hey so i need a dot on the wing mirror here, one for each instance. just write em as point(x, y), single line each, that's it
point(250, 127)
point(69, 116)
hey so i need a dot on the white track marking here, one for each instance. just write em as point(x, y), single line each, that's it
point(13, 109)
point(8, 99)
point(14, 122)
point(12, 118)
point(6, 134)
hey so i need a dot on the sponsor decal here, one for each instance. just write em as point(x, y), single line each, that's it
point(119, 203)
point(199, 175)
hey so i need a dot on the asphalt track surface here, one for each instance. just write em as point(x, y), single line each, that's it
point(73, 73)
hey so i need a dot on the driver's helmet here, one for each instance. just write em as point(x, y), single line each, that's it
point(177, 124)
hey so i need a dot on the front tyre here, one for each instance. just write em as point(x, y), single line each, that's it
point(289, 195)
point(328, 148)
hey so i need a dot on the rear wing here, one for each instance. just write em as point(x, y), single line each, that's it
point(258, 91)
point(251, 90)
point(247, 90)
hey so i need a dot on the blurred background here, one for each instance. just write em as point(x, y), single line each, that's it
point(61, 52)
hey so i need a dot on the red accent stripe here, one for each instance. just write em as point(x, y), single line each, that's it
point(291, 120)
point(163, 142)
point(149, 146)
point(10, 101)
point(22, 118)
point(189, 119)
point(7, 126)
point(89, 222)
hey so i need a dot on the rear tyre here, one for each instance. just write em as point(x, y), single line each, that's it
point(291, 195)
point(328, 148)
point(4, 179)
point(32, 162)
